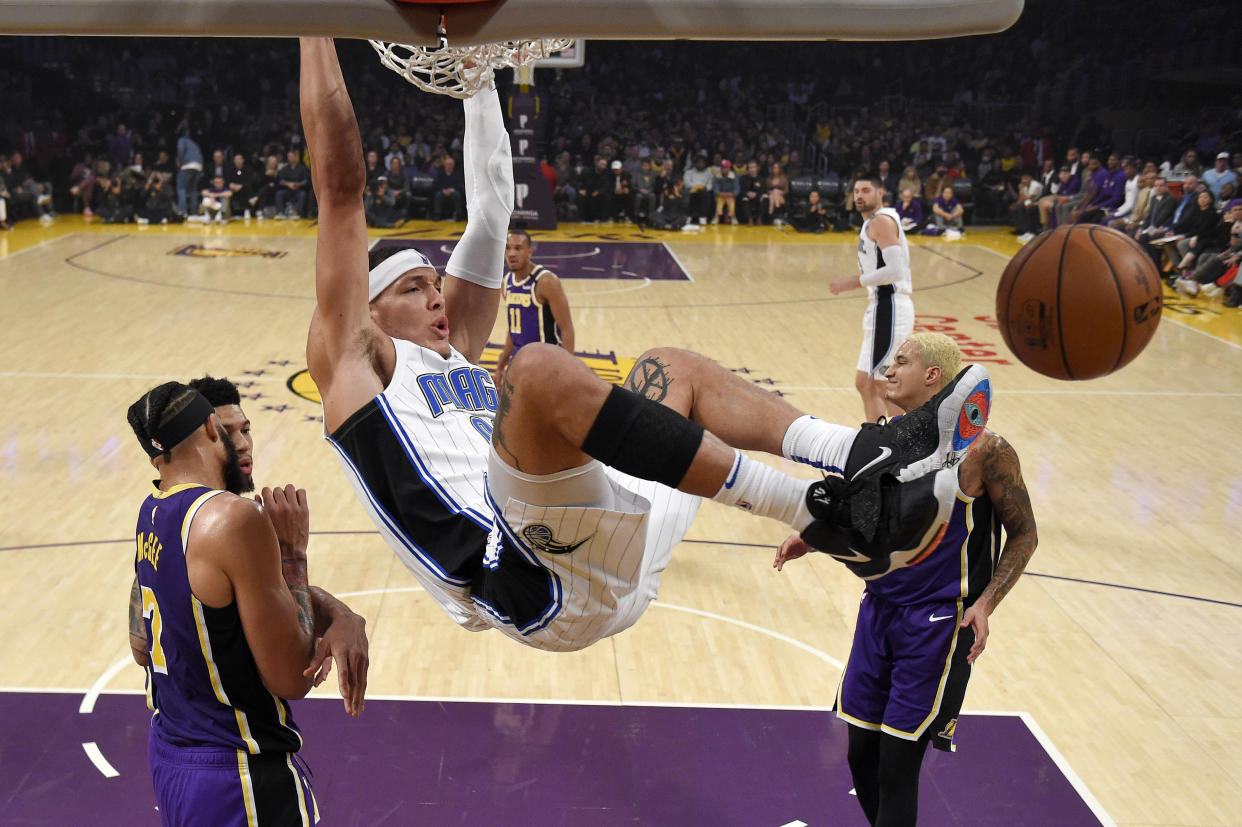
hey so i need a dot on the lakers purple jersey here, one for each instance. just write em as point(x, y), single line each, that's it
point(529, 319)
point(203, 685)
point(956, 568)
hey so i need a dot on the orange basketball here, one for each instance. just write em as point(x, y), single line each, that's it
point(1079, 302)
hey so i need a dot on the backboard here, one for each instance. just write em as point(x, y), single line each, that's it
point(496, 20)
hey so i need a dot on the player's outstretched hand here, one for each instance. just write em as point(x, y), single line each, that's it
point(841, 285)
point(976, 617)
point(286, 508)
point(791, 549)
point(345, 642)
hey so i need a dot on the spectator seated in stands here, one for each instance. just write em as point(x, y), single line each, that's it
point(750, 195)
point(595, 197)
point(293, 180)
point(1025, 208)
point(674, 210)
point(1142, 205)
point(947, 214)
point(888, 180)
point(1187, 165)
point(267, 186)
point(398, 185)
point(1200, 228)
point(158, 201)
point(910, 209)
point(82, 183)
point(701, 185)
point(1130, 189)
point(910, 180)
point(1220, 175)
point(1213, 265)
point(1066, 188)
point(568, 182)
point(811, 215)
point(619, 186)
point(241, 181)
point(27, 197)
point(380, 204)
point(726, 185)
point(777, 192)
point(1108, 188)
point(215, 204)
point(111, 205)
point(448, 203)
point(1090, 177)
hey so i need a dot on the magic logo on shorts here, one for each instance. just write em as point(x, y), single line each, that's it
point(540, 537)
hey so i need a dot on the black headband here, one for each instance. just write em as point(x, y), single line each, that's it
point(169, 435)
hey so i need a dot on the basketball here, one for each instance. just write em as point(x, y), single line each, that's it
point(1079, 301)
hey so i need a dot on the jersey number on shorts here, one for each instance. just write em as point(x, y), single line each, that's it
point(151, 611)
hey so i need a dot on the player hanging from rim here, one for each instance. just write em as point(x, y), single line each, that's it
point(501, 504)
point(884, 269)
point(920, 628)
point(536, 307)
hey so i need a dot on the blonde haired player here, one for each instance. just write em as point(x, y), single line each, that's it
point(884, 269)
point(921, 626)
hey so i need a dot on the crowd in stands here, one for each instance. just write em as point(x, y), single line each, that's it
point(157, 130)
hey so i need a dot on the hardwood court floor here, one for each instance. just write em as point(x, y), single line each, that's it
point(1124, 642)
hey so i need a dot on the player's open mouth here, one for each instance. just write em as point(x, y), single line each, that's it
point(246, 466)
point(441, 326)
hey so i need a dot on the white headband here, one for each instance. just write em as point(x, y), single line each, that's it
point(391, 269)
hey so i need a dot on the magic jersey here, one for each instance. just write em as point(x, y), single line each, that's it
point(416, 456)
point(529, 319)
point(871, 258)
point(889, 317)
point(556, 578)
point(959, 567)
point(203, 685)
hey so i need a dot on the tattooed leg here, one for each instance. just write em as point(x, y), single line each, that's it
point(558, 415)
point(741, 413)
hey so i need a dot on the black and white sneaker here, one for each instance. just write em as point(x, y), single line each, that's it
point(876, 525)
point(934, 435)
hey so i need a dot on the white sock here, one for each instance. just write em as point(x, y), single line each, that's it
point(479, 256)
point(818, 444)
point(754, 487)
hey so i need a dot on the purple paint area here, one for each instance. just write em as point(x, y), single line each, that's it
point(421, 762)
point(575, 259)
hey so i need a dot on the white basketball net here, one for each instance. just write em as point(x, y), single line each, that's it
point(460, 71)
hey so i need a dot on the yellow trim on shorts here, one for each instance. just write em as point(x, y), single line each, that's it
point(850, 719)
point(297, 784)
point(243, 772)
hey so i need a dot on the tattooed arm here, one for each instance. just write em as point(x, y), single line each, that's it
point(233, 556)
point(337, 634)
point(137, 627)
point(286, 508)
point(1001, 476)
point(341, 638)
